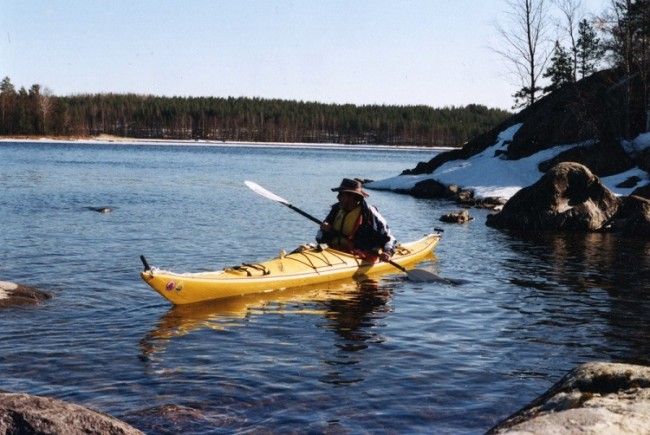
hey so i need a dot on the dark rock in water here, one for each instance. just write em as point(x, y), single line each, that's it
point(593, 398)
point(100, 209)
point(633, 217)
point(436, 190)
point(16, 294)
point(630, 182)
point(603, 159)
point(567, 197)
point(643, 191)
point(459, 217)
point(25, 414)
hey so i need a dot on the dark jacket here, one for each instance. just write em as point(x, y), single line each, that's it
point(372, 234)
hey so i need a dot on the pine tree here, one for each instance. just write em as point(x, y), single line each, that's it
point(590, 49)
point(7, 106)
point(560, 71)
point(6, 87)
point(629, 46)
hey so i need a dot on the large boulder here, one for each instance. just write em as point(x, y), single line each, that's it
point(18, 294)
point(26, 414)
point(594, 398)
point(567, 197)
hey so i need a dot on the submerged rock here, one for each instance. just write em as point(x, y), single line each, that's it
point(18, 294)
point(172, 418)
point(567, 197)
point(593, 398)
point(26, 414)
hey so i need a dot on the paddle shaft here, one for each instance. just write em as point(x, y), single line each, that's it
point(304, 213)
point(399, 266)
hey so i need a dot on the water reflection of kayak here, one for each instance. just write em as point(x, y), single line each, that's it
point(222, 314)
point(306, 266)
point(218, 314)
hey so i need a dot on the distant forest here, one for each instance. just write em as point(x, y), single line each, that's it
point(38, 112)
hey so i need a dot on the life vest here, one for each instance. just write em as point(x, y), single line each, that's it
point(346, 225)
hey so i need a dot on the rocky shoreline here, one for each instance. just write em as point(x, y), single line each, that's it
point(27, 414)
point(584, 163)
point(594, 398)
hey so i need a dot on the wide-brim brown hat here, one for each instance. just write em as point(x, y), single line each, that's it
point(351, 186)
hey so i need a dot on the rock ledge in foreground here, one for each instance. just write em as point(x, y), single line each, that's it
point(18, 294)
point(594, 398)
point(25, 414)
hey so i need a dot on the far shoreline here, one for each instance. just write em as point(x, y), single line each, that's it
point(105, 139)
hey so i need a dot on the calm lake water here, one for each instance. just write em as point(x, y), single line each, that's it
point(383, 356)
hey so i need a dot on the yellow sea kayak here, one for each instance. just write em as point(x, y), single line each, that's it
point(309, 265)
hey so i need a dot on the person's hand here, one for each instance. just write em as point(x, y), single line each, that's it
point(385, 256)
point(325, 227)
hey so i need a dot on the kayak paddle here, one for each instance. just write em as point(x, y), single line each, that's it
point(416, 275)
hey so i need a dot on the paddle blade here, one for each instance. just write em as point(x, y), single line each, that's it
point(265, 193)
point(421, 275)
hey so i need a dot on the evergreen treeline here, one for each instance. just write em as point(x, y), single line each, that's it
point(625, 46)
point(35, 112)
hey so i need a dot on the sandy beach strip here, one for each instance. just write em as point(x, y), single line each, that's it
point(108, 139)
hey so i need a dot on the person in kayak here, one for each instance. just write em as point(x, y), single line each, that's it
point(353, 225)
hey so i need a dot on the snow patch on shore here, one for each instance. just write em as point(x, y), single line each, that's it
point(637, 144)
point(611, 181)
point(489, 175)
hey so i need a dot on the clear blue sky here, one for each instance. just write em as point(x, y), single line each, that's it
point(432, 52)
